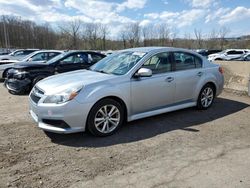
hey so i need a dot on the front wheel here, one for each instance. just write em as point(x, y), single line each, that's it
point(206, 97)
point(105, 117)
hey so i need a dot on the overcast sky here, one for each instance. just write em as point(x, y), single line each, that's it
point(180, 15)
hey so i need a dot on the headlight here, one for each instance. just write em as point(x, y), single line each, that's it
point(20, 75)
point(63, 97)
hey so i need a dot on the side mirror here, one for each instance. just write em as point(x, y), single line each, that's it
point(30, 59)
point(143, 72)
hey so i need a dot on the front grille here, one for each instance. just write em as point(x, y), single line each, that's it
point(36, 94)
point(34, 98)
point(38, 91)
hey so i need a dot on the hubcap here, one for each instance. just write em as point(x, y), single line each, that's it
point(207, 97)
point(107, 118)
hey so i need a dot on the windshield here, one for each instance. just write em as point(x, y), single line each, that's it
point(119, 63)
point(25, 58)
point(53, 60)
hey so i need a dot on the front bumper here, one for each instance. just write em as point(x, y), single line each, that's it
point(17, 85)
point(73, 113)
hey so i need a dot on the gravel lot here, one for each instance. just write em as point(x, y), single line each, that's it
point(187, 148)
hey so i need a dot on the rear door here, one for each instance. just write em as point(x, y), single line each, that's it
point(188, 73)
point(233, 54)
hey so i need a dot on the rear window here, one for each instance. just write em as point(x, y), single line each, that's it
point(185, 61)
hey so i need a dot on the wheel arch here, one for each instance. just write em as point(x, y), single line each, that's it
point(119, 100)
point(213, 85)
point(202, 84)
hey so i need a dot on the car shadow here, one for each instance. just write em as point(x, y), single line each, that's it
point(152, 126)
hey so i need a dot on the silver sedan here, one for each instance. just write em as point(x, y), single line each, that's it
point(125, 86)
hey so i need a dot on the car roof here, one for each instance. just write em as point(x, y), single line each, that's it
point(157, 48)
point(39, 51)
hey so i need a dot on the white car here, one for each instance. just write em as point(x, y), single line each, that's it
point(229, 54)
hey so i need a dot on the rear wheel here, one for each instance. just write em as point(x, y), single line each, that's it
point(105, 117)
point(206, 97)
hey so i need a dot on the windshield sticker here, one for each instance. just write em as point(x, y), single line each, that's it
point(140, 54)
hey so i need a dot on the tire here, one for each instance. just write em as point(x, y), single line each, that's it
point(5, 73)
point(37, 79)
point(206, 97)
point(103, 122)
point(16, 92)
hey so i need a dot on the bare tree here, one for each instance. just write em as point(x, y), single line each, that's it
point(198, 36)
point(131, 34)
point(173, 37)
point(222, 35)
point(212, 40)
point(72, 30)
point(104, 32)
point(163, 34)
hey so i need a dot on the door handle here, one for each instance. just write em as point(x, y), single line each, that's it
point(169, 79)
point(200, 74)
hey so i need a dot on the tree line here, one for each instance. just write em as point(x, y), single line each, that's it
point(18, 33)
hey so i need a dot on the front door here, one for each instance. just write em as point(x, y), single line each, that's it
point(73, 62)
point(157, 91)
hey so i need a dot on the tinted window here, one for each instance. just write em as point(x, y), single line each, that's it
point(184, 61)
point(233, 52)
point(75, 58)
point(159, 63)
point(51, 55)
point(95, 57)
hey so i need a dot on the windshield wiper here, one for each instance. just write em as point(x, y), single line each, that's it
point(101, 71)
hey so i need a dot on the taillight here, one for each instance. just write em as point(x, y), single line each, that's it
point(221, 70)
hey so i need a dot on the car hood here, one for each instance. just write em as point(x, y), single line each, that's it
point(58, 83)
point(8, 61)
point(23, 65)
point(5, 66)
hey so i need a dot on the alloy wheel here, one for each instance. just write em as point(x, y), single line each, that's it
point(207, 97)
point(107, 118)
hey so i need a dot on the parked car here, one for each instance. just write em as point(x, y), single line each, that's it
point(40, 56)
point(17, 54)
point(23, 76)
point(228, 54)
point(245, 57)
point(125, 86)
point(206, 53)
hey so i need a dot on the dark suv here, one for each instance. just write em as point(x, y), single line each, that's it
point(23, 76)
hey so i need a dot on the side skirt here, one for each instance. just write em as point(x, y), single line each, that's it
point(161, 111)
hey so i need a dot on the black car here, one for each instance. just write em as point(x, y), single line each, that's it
point(23, 76)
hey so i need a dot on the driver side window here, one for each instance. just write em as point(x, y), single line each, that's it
point(39, 57)
point(159, 63)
